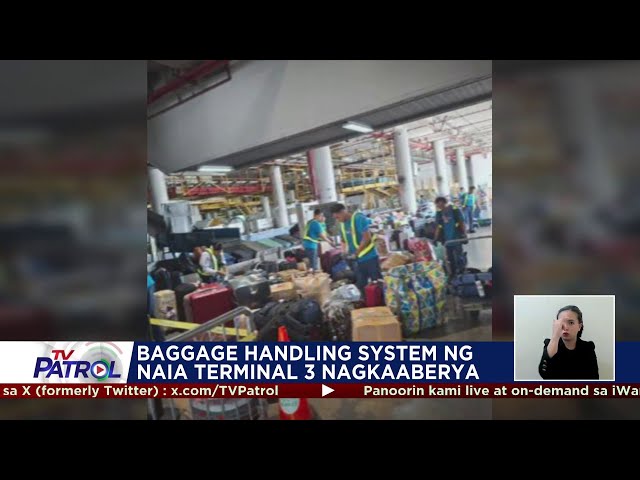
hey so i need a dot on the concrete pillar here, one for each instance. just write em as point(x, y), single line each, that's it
point(266, 207)
point(323, 175)
point(282, 217)
point(301, 218)
point(471, 172)
point(158, 185)
point(404, 167)
point(442, 174)
point(462, 170)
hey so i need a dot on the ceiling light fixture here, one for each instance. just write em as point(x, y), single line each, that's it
point(358, 127)
point(215, 169)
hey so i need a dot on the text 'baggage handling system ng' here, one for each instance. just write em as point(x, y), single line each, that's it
point(294, 362)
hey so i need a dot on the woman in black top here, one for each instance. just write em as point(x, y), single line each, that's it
point(565, 355)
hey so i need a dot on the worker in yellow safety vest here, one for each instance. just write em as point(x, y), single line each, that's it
point(314, 232)
point(359, 244)
point(210, 266)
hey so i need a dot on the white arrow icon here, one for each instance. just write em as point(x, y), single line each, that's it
point(326, 390)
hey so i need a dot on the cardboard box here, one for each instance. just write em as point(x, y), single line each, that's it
point(372, 312)
point(284, 291)
point(377, 324)
point(288, 275)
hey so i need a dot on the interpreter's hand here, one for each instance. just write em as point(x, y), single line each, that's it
point(557, 329)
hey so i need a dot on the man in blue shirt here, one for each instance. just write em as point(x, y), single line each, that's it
point(359, 243)
point(468, 204)
point(315, 231)
point(450, 226)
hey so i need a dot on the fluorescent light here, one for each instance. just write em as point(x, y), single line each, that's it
point(215, 169)
point(358, 127)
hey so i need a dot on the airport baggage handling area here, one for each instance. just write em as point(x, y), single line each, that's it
point(385, 236)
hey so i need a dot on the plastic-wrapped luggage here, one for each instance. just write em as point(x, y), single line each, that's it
point(416, 293)
point(421, 248)
point(337, 315)
point(316, 286)
point(165, 305)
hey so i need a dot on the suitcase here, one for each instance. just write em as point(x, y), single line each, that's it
point(182, 291)
point(373, 295)
point(330, 258)
point(208, 303)
point(268, 267)
point(251, 291)
point(240, 252)
point(284, 265)
point(473, 285)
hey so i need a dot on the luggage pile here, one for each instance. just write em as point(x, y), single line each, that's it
point(302, 318)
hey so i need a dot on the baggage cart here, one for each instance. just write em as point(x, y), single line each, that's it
point(234, 326)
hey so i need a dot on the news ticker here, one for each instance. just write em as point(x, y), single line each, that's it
point(307, 390)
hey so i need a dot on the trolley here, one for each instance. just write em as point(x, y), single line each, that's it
point(467, 307)
point(234, 326)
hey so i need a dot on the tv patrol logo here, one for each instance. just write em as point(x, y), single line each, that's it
point(80, 362)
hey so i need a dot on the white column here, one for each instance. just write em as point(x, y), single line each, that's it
point(266, 207)
point(442, 174)
point(404, 167)
point(462, 170)
point(472, 171)
point(282, 218)
point(158, 185)
point(302, 222)
point(323, 176)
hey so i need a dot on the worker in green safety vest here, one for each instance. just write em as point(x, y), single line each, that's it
point(210, 263)
point(359, 243)
point(314, 232)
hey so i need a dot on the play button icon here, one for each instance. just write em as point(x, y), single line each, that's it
point(326, 390)
point(100, 369)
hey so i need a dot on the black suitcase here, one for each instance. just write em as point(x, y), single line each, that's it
point(284, 265)
point(240, 252)
point(252, 291)
point(182, 291)
point(269, 267)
